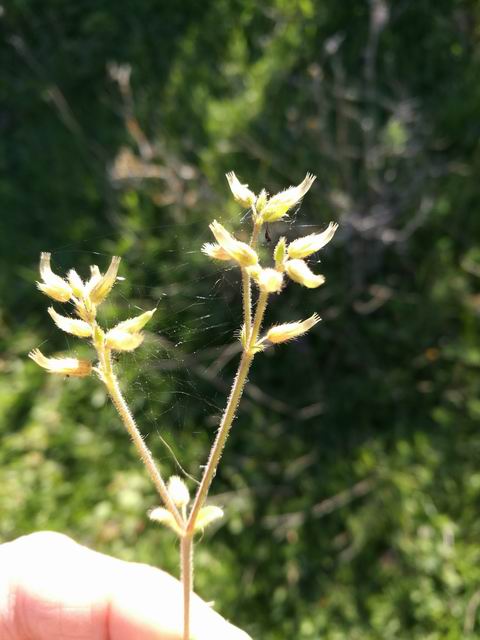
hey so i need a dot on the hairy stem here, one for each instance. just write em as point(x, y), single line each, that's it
point(247, 303)
point(186, 561)
point(113, 388)
point(251, 334)
point(229, 414)
point(259, 314)
point(256, 231)
point(247, 282)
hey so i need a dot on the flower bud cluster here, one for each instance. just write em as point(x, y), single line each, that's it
point(180, 496)
point(86, 298)
point(269, 209)
point(289, 259)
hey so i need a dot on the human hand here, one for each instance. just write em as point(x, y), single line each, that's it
point(52, 588)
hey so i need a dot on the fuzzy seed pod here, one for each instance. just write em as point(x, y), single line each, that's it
point(63, 366)
point(268, 280)
point(118, 340)
point(304, 247)
point(178, 491)
point(239, 251)
point(76, 283)
point(291, 330)
point(299, 271)
point(280, 203)
point(241, 192)
point(70, 325)
point(280, 253)
point(134, 325)
point(163, 516)
point(261, 201)
point(104, 284)
point(215, 251)
point(52, 285)
point(206, 516)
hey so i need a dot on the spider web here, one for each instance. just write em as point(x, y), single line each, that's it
point(195, 351)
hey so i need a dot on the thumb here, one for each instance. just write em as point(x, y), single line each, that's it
point(52, 588)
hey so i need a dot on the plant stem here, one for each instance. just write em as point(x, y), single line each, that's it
point(186, 546)
point(246, 283)
point(255, 233)
point(222, 434)
point(229, 414)
point(259, 314)
point(251, 333)
point(247, 303)
point(186, 559)
point(128, 420)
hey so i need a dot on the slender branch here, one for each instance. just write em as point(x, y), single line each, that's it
point(247, 303)
point(251, 335)
point(186, 560)
point(113, 388)
point(229, 414)
point(247, 282)
point(222, 434)
point(256, 232)
point(259, 314)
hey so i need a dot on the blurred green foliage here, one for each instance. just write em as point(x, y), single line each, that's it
point(351, 482)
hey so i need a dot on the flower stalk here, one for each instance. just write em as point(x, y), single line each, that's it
point(87, 296)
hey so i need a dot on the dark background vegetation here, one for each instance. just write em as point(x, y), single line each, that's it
point(351, 482)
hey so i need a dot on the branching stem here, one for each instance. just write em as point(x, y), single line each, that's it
point(251, 337)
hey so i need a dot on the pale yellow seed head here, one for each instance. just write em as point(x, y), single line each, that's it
point(118, 340)
point(241, 192)
point(215, 251)
point(70, 325)
point(291, 330)
point(269, 280)
point(239, 251)
point(62, 366)
point(280, 203)
point(304, 247)
point(298, 271)
point(52, 285)
point(178, 491)
point(102, 287)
